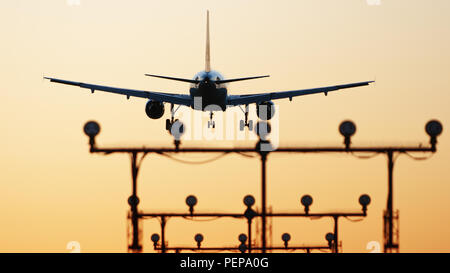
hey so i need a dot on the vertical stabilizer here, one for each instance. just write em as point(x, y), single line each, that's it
point(207, 56)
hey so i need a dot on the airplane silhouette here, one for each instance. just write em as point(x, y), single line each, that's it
point(208, 92)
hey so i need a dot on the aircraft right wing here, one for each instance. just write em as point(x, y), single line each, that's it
point(179, 99)
point(235, 100)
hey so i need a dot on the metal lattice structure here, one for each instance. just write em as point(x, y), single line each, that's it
point(347, 129)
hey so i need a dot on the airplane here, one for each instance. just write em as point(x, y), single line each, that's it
point(211, 87)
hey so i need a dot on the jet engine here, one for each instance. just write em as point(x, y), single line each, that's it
point(265, 110)
point(154, 109)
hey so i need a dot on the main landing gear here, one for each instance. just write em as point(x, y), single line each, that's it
point(245, 123)
point(170, 122)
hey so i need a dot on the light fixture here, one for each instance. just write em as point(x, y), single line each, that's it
point(286, 237)
point(177, 130)
point(249, 200)
point(242, 248)
point(191, 201)
point(155, 239)
point(364, 200)
point(347, 129)
point(330, 238)
point(91, 128)
point(133, 200)
point(199, 239)
point(433, 129)
point(306, 202)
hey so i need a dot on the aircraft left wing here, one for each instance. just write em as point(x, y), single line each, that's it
point(235, 100)
point(179, 99)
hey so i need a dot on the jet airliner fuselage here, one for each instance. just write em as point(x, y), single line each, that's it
point(210, 92)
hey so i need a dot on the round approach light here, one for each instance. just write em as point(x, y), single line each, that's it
point(242, 238)
point(91, 128)
point(155, 238)
point(329, 237)
point(177, 129)
point(347, 128)
point(249, 200)
point(306, 200)
point(242, 248)
point(433, 128)
point(198, 238)
point(364, 200)
point(133, 200)
point(191, 200)
point(286, 237)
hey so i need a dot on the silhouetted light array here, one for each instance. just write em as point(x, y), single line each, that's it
point(347, 129)
point(307, 200)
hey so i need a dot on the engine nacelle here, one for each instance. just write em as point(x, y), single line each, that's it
point(265, 110)
point(154, 109)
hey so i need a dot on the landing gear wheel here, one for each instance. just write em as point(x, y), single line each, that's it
point(212, 124)
point(250, 125)
point(241, 125)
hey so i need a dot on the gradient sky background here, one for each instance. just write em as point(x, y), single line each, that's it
point(53, 191)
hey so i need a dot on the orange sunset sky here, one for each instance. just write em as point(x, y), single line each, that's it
point(54, 191)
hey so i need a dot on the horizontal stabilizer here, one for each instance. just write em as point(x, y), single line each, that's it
point(240, 79)
point(173, 79)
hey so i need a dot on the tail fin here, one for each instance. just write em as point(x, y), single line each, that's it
point(207, 55)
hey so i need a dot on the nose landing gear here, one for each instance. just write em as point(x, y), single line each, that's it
point(211, 122)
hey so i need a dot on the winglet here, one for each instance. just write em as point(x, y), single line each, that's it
point(207, 55)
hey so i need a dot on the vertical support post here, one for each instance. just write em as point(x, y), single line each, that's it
point(263, 199)
point(163, 234)
point(133, 202)
point(336, 238)
point(134, 172)
point(389, 242)
point(249, 235)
